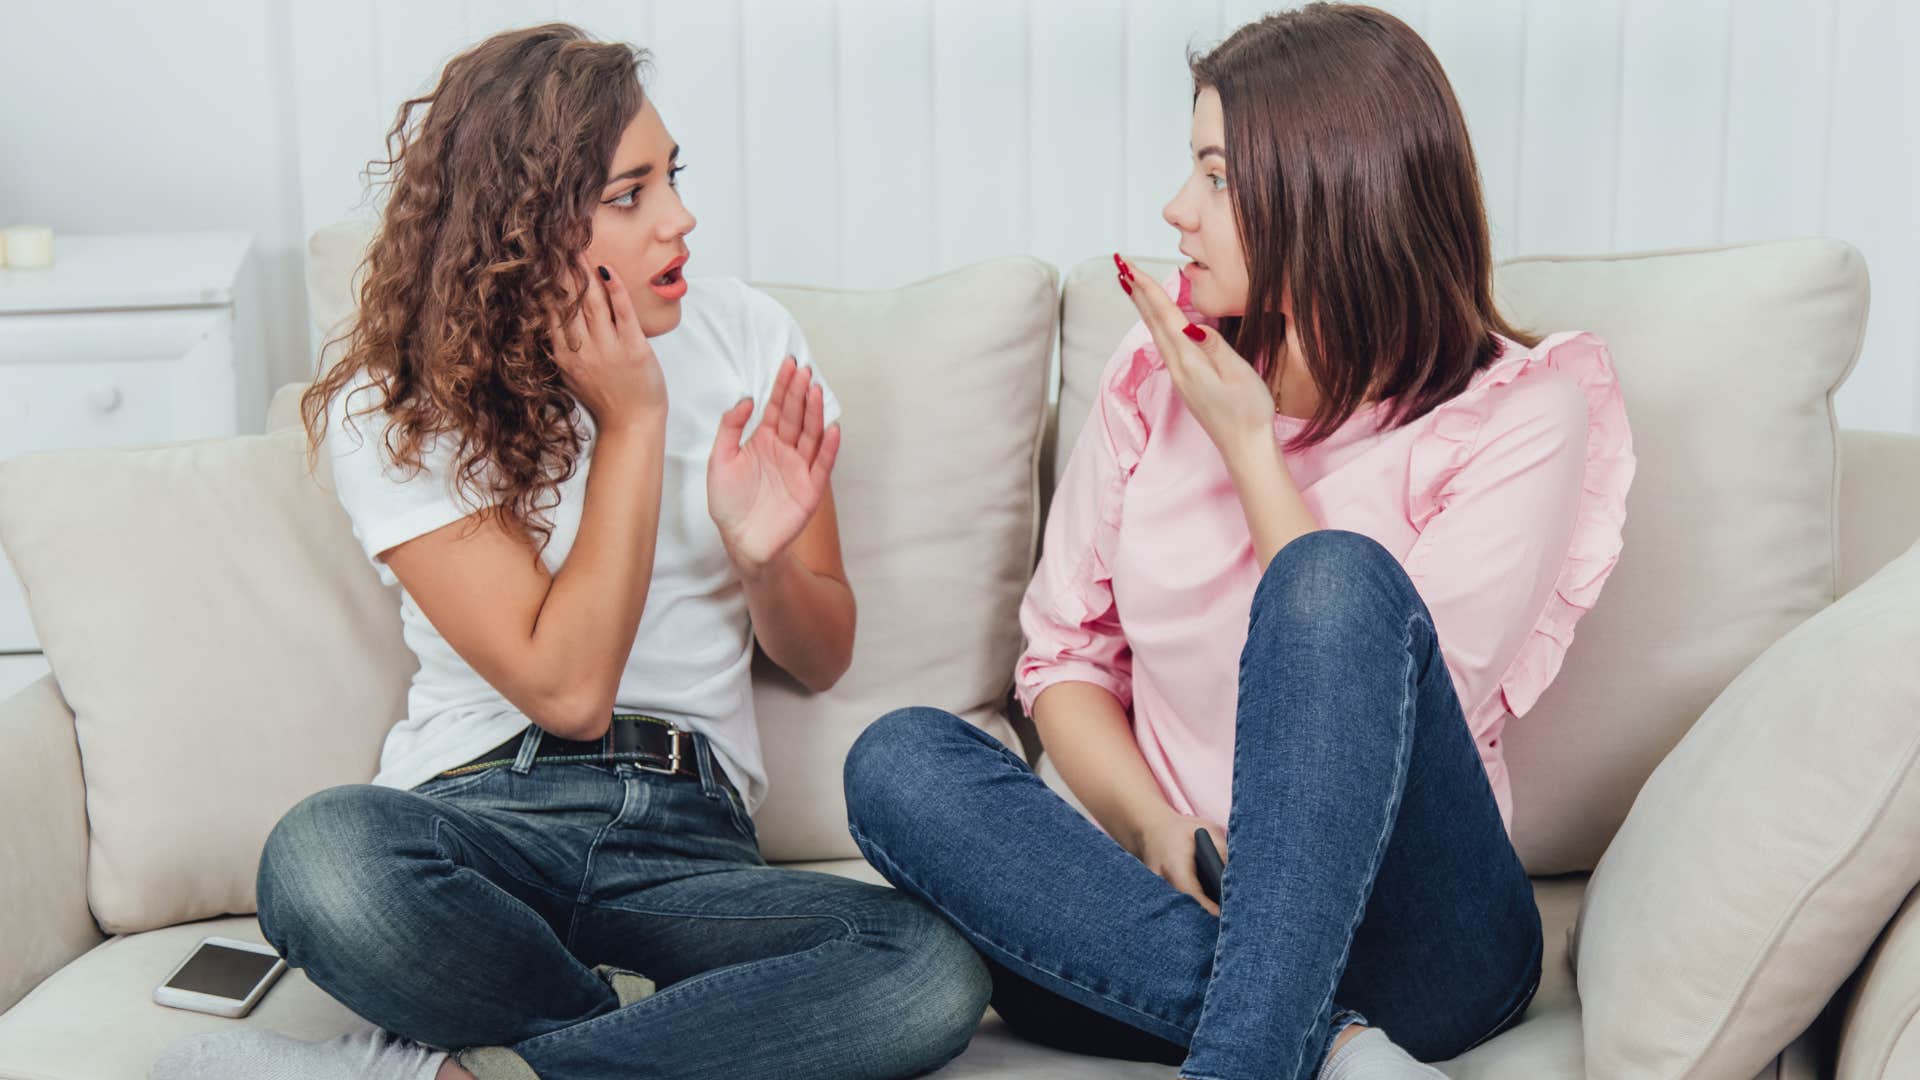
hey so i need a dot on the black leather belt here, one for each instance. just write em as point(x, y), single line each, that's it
point(650, 743)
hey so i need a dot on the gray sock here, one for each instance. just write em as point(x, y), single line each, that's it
point(628, 986)
point(501, 1063)
point(1370, 1055)
point(257, 1054)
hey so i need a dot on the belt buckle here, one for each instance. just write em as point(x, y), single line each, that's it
point(673, 757)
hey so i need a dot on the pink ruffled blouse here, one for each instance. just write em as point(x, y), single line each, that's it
point(1504, 505)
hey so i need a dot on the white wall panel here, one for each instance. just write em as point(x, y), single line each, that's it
point(1667, 180)
point(698, 84)
point(1871, 189)
point(1157, 98)
point(1779, 104)
point(981, 128)
point(791, 67)
point(1569, 125)
point(868, 142)
point(886, 180)
point(1480, 46)
point(1076, 125)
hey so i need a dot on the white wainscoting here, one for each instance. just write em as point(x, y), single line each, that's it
point(866, 143)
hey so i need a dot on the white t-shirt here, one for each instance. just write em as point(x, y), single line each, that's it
point(694, 645)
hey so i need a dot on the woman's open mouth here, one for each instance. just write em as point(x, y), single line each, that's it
point(671, 283)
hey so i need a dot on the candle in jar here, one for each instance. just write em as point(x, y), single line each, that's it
point(27, 246)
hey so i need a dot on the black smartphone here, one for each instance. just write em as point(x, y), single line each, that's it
point(1206, 859)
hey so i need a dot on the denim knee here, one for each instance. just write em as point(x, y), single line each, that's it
point(936, 997)
point(884, 761)
point(1322, 557)
point(314, 862)
point(1328, 579)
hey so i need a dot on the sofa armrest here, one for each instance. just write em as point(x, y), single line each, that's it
point(44, 918)
point(1879, 501)
point(1879, 1027)
point(284, 410)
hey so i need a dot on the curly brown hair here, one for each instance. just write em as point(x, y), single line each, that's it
point(493, 178)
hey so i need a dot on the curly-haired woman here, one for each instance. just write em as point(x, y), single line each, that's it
point(598, 483)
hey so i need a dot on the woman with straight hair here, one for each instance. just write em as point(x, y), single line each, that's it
point(1327, 530)
point(599, 483)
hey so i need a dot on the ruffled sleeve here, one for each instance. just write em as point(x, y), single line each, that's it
point(1518, 487)
point(1072, 628)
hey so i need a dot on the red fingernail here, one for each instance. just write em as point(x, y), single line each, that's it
point(1119, 263)
point(1194, 332)
point(1125, 285)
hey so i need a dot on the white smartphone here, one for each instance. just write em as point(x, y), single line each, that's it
point(222, 976)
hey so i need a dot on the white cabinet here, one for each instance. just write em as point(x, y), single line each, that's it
point(125, 341)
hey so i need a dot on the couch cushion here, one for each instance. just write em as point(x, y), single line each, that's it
point(54, 1033)
point(221, 651)
point(936, 490)
point(1765, 853)
point(1728, 359)
point(943, 389)
point(1879, 501)
point(1880, 1029)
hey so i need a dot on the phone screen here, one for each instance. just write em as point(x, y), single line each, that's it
point(223, 972)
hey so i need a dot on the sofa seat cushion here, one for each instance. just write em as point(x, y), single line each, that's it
point(55, 1032)
point(95, 1019)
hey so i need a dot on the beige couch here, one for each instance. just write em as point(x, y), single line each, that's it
point(1750, 514)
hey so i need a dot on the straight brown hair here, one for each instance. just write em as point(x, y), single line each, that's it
point(1355, 190)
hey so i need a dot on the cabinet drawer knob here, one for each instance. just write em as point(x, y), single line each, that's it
point(104, 399)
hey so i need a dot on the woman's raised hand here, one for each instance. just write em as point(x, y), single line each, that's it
point(605, 360)
point(1231, 401)
point(763, 493)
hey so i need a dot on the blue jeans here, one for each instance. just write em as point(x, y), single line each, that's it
point(471, 911)
point(1369, 876)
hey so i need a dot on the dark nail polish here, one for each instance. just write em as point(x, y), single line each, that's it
point(604, 276)
point(1194, 332)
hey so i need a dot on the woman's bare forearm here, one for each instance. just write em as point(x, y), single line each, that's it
point(1276, 514)
point(585, 628)
point(803, 620)
point(1085, 730)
